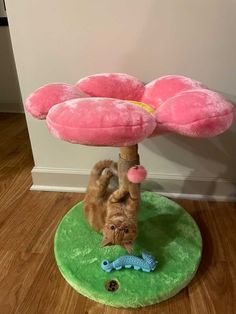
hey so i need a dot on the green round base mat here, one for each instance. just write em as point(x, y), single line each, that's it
point(165, 229)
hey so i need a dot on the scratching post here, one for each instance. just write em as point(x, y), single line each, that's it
point(117, 110)
point(128, 158)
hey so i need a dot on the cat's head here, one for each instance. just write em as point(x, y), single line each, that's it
point(120, 231)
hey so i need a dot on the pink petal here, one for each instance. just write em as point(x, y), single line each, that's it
point(41, 100)
point(196, 113)
point(159, 90)
point(112, 85)
point(100, 122)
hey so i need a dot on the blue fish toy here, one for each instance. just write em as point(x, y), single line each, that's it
point(147, 263)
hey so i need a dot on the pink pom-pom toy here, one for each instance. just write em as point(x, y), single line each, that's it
point(136, 174)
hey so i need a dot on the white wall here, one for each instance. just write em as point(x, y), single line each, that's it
point(10, 98)
point(63, 41)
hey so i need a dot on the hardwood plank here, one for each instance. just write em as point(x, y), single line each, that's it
point(30, 281)
point(17, 275)
point(45, 295)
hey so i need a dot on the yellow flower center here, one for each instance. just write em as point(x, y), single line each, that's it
point(146, 107)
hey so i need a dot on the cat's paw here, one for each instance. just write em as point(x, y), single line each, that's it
point(114, 168)
point(107, 172)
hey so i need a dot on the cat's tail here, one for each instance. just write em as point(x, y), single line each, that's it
point(101, 165)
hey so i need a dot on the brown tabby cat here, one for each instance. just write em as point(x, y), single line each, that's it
point(110, 211)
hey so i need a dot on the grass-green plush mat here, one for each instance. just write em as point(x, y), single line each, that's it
point(165, 229)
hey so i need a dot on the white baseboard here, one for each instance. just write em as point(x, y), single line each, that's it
point(200, 197)
point(170, 185)
point(50, 188)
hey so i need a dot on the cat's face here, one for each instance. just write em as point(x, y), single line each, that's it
point(120, 231)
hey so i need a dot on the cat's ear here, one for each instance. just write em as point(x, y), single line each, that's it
point(105, 242)
point(128, 247)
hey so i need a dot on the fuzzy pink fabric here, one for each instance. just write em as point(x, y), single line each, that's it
point(112, 85)
point(181, 105)
point(40, 101)
point(159, 90)
point(136, 174)
point(196, 113)
point(100, 122)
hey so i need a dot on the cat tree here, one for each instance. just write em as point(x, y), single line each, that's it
point(118, 110)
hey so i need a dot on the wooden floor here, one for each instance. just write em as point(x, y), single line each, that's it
point(29, 279)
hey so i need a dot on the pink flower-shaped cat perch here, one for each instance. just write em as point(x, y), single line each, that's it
point(118, 110)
